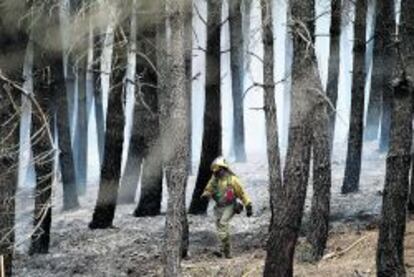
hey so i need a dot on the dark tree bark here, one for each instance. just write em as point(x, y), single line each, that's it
point(43, 155)
point(64, 92)
point(334, 62)
point(114, 136)
point(13, 42)
point(211, 146)
point(273, 154)
point(407, 21)
point(97, 92)
point(289, 206)
point(147, 112)
point(356, 125)
point(237, 76)
point(390, 250)
point(389, 25)
point(378, 68)
point(189, 74)
point(151, 180)
point(9, 169)
point(175, 147)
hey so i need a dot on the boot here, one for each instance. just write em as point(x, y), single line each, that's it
point(227, 251)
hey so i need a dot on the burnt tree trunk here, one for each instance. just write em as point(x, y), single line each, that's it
point(356, 125)
point(390, 250)
point(211, 145)
point(273, 154)
point(290, 204)
point(43, 155)
point(407, 24)
point(334, 63)
point(13, 42)
point(175, 146)
point(378, 69)
point(147, 110)
point(104, 212)
point(9, 168)
point(237, 72)
point(389, 25)
point(189, 75)
point(66, 153)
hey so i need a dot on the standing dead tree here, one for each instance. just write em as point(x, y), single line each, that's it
point(390, 250)
point(237, 77)
point(211, 145)
point(309, 131)
point(273, 156)
point(356, 128)
point(334, 61)
point(104, 212)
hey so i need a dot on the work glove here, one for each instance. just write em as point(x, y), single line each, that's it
point(238, 207)
point(249, 210)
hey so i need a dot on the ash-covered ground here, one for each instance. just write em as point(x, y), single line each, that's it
point(134, 247)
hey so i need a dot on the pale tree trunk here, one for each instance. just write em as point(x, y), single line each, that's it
point(334, 62)
point(104, 212)
point(174, 125)
point(247, 8)
point(273, 154)
point(289, 206)
point(389, 25)
point(132, 168)
point(356, 125)
point(101, 97)
point(212, 144)
point(81, 129)
point(378, 69)
point(237, 77)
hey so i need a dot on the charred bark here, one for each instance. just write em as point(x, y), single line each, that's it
point(104, 212)
point(189, 75)
point(9, 169)
point(334, 62)
point(290, 204)
point(211, 145)
point(147, 112)
point(13, 43)
point(356, 127)
point(407, 23)
point(389, 25)
point(43, 158)
point(390, 250)
point(237, 72)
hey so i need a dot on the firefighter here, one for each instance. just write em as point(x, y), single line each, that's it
point(225, 188)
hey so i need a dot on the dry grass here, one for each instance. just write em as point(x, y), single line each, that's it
point(357, 261)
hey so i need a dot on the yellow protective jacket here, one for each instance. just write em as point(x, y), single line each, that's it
point(216, 188)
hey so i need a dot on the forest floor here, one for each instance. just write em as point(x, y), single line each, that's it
point(134, 247)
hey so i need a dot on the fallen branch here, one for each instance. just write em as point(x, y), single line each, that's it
point(338, 254)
